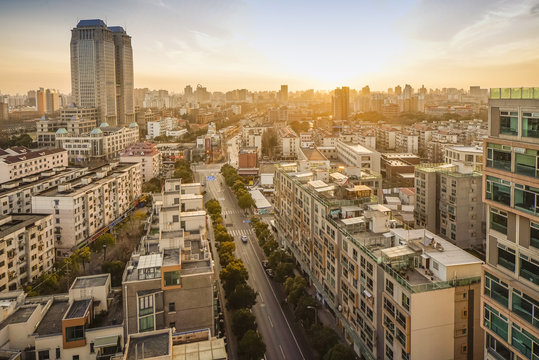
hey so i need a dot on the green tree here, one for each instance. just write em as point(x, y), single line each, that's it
point(243, 320)
point(340, 352)
point(238, 184)
point(251, 346)
point(295, 287)
point(283, 271)
point(322, 338)
point(184, 174)
point(233, 274)
point(270, 246)
point(82, 255)
point(304, 311)
point(223, 236)
point(243, 296)
point(105, 239)
point(278, 257)
point(227, 247)
point(152, 186)
point(226, 258)
point(115, 269)
point(245, 201)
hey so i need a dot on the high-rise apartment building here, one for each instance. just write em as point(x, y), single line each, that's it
point(283, 94)
point(102, 70)
point(510, 297)
point(47, 101)
point(340, 103)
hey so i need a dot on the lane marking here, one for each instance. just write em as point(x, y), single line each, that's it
point(271, 323)
point(282, 352)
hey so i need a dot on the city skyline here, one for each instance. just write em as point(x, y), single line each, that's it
point(258, 45)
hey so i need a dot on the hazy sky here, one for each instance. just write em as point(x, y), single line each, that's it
point(228, 44)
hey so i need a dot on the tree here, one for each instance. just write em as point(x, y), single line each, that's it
point(238, 184)
point(243, 320)
point(115, 269)
point(251, 346)
point(340, 352)
point(304, 311)
point(223, 236)
point(233, 274)
point(245, 201)
point(82, 255)
point(322, 338)
point(226, 258)
point(283, 271)
point(270, 246)
point(295, 287)
point(243, 296)
point(184, 174)
point(226, 247)
point(152, 186)
point(213, 207)
point(278, 257)
point(105, 239)
point(299, 127)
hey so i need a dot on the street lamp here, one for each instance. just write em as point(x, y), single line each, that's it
point(315, 313)
point(104, 251)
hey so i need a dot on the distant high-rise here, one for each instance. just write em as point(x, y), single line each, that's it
point(102, 70)
point(188, 92)
point(283, 94)
point(340, 103)
point(47, 101)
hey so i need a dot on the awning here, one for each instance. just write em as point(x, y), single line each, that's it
point(425, 256)
point(106, 341)
point(367, 293)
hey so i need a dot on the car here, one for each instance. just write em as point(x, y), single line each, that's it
point(244, 239)
point(270, 273)
point(265, 264)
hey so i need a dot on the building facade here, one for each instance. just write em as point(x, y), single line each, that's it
point(147, 155)
point(21, 163)
point(510, 299)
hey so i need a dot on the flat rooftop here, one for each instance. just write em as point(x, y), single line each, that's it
point(356, 148)
point(90, 281)
point(155, 345)
point(19, 316)
point(17, 222)
point(78, 309)
point(52, 321)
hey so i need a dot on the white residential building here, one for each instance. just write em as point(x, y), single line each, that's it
point(407, 142)
point(289, 143)
point(26, 249)
point(86, 205)
point(358, 156)
point(18, 163)
point(468, 155)
point(147, 155)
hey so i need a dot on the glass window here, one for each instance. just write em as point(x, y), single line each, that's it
point(534, 235)
point(405, 302)
point(74, 333)
point(498, 191)
point(496, 289)
point(529, 269)
point(530, 125)
point(526, 307)
point(526, 164)
point(146, 323)
point(509, 123)
point(145, 305)
point(524, 342)
point(496, 347)
point(501, 160)
point(389, 286)
point(506, 257)
point(172, 278)
point(496, 322)
point(526, 198)
point(498, 220)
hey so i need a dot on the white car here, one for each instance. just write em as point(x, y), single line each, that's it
point(244, 239)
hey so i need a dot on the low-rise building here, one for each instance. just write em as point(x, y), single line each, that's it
point(468, 155)
point(146, 154)
point(358, 156)
point(76, 124)
point(85, 324)
point(289, 142)
point(84, 206)
point(18, 163)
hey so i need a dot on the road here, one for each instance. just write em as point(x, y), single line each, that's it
point(272, 323)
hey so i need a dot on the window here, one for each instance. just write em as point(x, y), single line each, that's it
point(145, 305)
point(389, 352)
point(530, 125)
point(506, 257)
point(405, 302)
point(172, 278)
point(526, 163)
point(499, 159)
point(389, 286)
point(74, 333)
point(92, 350)
point(171, 307)
point(526, 198)
point(496, 347)
point(435, 265)
point(57, 352)
point(526, 307)
point(529, 269)
point(175, 218)
point(498, 220)
point(172, 325)
point(534, 235)
point(146, 323)
point(75, 357)
point(496, 289)
point(498, 190)
point(496, 322)
point(43, 355)
point(509, 123)
point(524, 342)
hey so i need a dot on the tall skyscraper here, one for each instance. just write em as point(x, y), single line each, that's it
point(340, 103)
point(510, 297)
point(283, 94)
point(102, 70)
point(47, 101)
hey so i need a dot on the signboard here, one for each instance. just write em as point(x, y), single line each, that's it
point(210, 178)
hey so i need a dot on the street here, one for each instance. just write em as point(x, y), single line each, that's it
point(280, 341)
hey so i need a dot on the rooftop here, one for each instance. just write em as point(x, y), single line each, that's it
point(90, 281)
point(14, 222)
point(356, 148)
point(12, 159)
point(148, 346)
point(78, 309)
point(19, 316)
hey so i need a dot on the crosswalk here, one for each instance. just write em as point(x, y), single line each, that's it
point(240, 232)
point(233, 211)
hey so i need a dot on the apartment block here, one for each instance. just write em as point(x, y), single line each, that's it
point(19, 162)
point(510, 297)
point(16, 195)
point(448, 203)
point(169, 283)
point(146, 154)
point(86, 323)
point(468, 155)
point(46, 128)
point(395, 293)
point(103, 143)
point(26, 249)
point(406, 141)
point(289, 142)
point(358, 156)
point(84, 206)
point(386, 138)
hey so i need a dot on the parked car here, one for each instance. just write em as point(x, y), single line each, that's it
point(270, 273)
point(265, 264)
